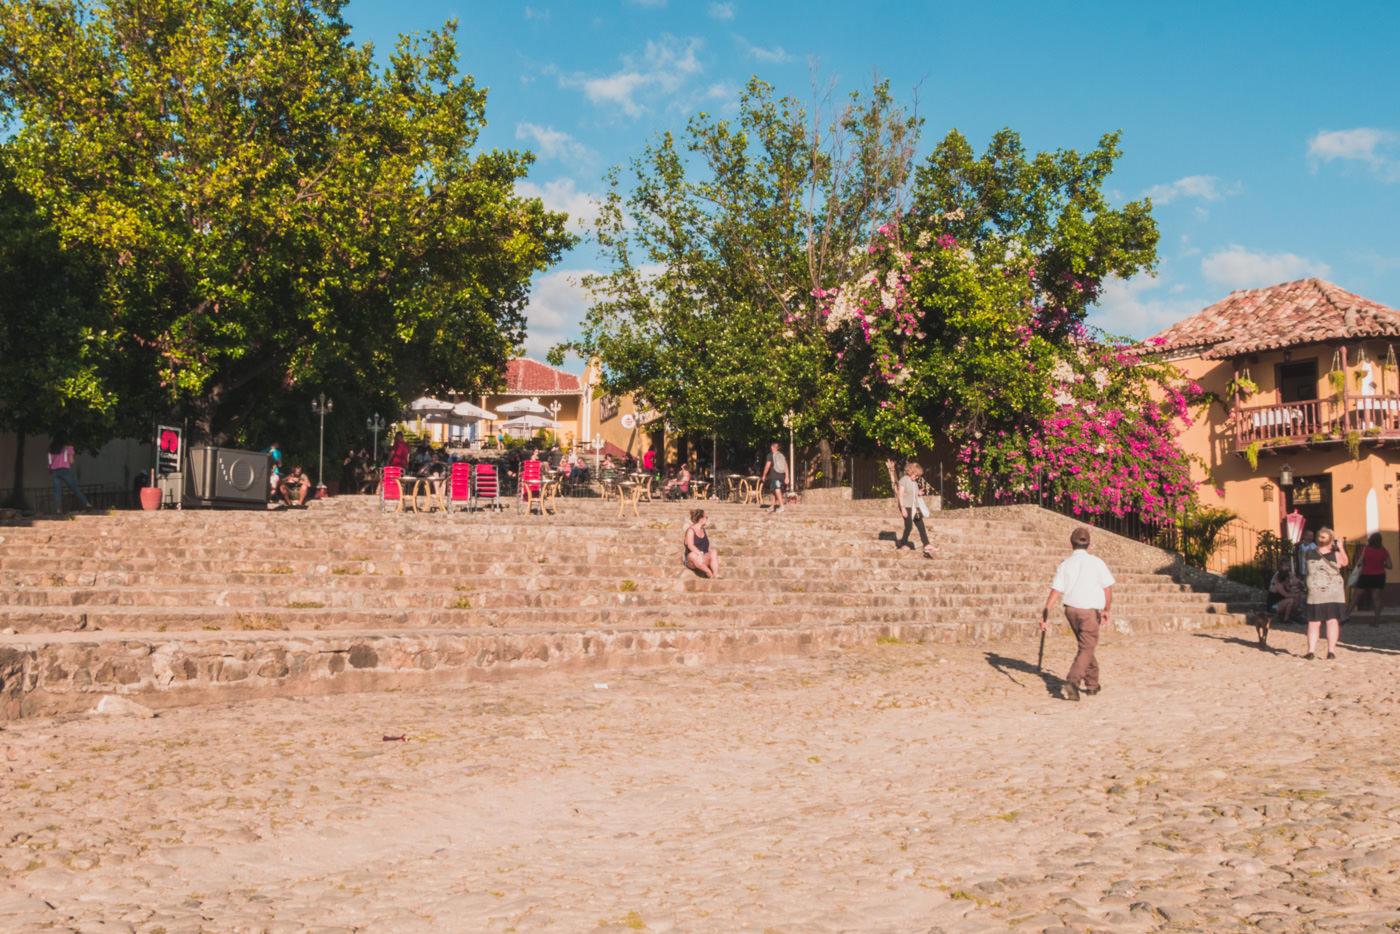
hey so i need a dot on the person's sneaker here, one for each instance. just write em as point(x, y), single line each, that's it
point(1092, 691)
point(1069, 691)
point(1331, 655)
point(778, 510)
point(1310, 656)
point(906, 547)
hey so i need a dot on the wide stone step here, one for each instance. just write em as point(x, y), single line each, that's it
point(592, 577)
point(68, 672)
point(718, 594)
point(548, 615)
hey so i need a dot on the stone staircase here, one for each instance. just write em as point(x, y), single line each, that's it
point(176, 607)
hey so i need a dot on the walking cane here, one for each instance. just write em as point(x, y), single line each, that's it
point(1040, 657)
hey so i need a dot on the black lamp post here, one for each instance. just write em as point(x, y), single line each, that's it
point(322, 407)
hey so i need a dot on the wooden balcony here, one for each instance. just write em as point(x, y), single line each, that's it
point(1317, 422)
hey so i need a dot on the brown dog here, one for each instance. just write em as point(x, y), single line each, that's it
point(1262, 621)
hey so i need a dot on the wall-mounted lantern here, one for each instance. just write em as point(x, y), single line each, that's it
point(1285, 475)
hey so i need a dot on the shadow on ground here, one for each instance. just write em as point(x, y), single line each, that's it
point(1357, 636)
point(1006, 665)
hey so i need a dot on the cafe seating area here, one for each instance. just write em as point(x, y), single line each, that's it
point(537, 488)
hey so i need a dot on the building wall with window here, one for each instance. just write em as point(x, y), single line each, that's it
point(1305, 410)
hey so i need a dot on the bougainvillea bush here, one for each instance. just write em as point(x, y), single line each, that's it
point(1107, 448)
point(944, 344)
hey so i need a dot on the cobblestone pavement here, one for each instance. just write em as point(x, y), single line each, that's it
point(1212, 786)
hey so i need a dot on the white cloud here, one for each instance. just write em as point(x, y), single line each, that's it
point(552, 143)
point(1203, 187)
point(556, 310)
point(1241, 268)
point(664, 68)
point(774, 56)
point(562, 195)
point(651, 3)
point(1126, 308)
point(541, 15)
point(722, 11)
point(1363, 144)
point(1379, 263)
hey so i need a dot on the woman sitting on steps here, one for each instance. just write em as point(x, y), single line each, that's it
point(699, 556)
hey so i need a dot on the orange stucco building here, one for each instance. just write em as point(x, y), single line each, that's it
point(1307, 415)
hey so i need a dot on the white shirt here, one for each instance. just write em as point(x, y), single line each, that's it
point(1081, 579)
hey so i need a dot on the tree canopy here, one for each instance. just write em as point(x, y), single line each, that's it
point(268, 205)
point(777, 261)
point(708, 310)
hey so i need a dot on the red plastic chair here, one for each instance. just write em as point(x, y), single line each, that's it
point(530, 483)
point(459, 487)
point(389, 489)
point(485, 485)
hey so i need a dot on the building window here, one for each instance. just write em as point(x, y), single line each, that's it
point(1297, 382)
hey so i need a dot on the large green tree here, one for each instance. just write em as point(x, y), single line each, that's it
point(271, 206)
point(51, 330)
point(718, 246)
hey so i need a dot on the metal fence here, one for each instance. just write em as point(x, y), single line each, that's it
point(39, 499)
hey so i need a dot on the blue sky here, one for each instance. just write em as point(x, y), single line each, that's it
point(1268, 134)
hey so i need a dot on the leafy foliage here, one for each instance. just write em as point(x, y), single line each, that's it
point(269, 206)
point(708, 311)
point(51, 326)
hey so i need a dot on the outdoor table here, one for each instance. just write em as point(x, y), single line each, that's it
point(429, 488)
point(626, 493)
point(749, 490)
point(634, 492)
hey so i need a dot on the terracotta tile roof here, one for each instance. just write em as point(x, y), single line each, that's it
point(1291, 314)
point(526, 377)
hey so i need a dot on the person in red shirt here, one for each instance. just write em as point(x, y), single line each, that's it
point(1375, 561)
point(398, 454)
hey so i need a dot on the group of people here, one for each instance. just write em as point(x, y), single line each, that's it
point(1084, 585)
point(1317, 593)
point(286, 487)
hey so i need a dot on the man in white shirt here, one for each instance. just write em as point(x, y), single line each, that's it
point(1086, 586)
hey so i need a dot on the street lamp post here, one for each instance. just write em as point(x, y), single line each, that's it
point(789, 421)
point(322, 407)
point(597, 449)
point(375, 425)
point(554, 408)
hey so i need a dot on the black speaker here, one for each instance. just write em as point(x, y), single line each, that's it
point(229, 475)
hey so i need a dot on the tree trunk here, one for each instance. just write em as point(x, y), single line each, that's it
point(16, 498)
point(826, 464)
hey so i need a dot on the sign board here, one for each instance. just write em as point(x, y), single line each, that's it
point(170, 444)
point(607, 407)
point(647, 416)
point(629, 421)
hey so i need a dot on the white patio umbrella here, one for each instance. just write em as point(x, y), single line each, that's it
point(428, 404)
point(522, 407)
point(529, 422)
point(467, 412)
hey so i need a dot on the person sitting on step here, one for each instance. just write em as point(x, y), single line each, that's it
point(678, 487)
point(294, 483)
point(700, 556)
